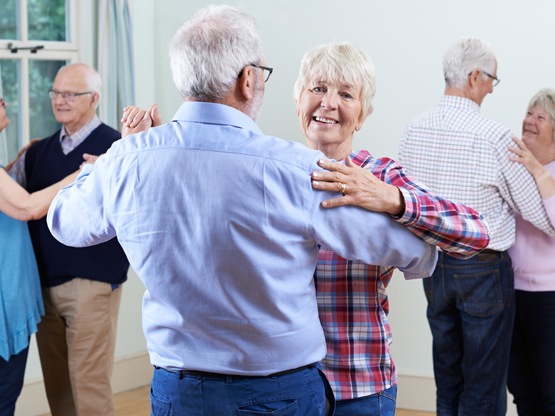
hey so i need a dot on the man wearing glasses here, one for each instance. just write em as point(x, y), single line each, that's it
point(81, 288)
point(463, 156)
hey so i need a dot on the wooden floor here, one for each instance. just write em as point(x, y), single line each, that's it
point(136, 403)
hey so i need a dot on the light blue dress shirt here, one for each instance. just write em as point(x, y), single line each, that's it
point(221, 224)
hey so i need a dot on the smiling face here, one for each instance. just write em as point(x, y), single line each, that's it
point(329, 113)
point(75, 114)
point(537, 129)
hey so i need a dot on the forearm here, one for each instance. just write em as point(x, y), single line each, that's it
point(545, 182)
point(16, 202)
point(455, 228)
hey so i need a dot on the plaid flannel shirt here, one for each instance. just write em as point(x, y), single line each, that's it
point(352, 300)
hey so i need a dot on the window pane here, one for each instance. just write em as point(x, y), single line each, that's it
point(41, 77)
point(9, 90)
point(47, 20)
point(9, 20)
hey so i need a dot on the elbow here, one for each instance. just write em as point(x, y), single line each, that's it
point(29, 213)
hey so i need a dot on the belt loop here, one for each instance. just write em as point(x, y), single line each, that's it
point(228, 379)
point(180, 375)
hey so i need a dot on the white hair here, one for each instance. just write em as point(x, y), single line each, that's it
point(209, 51)
point(545, 99)
point(463, 57)
point(339, 62)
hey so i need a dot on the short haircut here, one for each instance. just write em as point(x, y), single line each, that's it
point(545, 99)
point(209, 51)
point(339, 62)
point(463, 57)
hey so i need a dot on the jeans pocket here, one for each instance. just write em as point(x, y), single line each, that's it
point(275, 408)
point(159, 404)
point(481, 293)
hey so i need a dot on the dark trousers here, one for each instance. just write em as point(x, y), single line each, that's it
point(302, 393)
point(532, 362)
point(11, 381)
point(471, 314)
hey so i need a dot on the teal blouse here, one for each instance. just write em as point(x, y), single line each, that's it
point(20, 293)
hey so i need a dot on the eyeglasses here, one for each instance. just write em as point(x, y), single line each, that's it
point(68, 96)
point(495, 80)
point(264, 68)
point(3, 103)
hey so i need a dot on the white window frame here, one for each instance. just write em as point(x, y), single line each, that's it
point(52, 51)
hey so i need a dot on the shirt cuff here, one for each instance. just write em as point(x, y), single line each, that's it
point(412, 209)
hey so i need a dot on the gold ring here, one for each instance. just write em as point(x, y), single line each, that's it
point(342, 190)
point(523, 153)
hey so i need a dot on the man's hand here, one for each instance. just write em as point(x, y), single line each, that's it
point(359, 187)
point(136, 120)
point(89, 159)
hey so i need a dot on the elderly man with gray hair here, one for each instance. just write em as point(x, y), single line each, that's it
point(222, 225)
point(81, 288)
point(463, 156)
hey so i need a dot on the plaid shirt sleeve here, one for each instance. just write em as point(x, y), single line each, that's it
point(18, 170)
point(455, 228)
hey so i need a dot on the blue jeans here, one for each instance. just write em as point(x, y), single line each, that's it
point(379, 404)
point(11, 381)
point(471, 313)
point(532, 362)
point(301, 393)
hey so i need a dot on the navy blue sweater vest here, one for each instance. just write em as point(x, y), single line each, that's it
point(46, 164)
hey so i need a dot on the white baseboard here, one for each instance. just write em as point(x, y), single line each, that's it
point(130, 372)
point(417, 391)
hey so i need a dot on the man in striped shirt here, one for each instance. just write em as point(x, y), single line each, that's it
point(463, 156)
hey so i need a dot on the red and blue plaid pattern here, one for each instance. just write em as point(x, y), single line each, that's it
point(352, 297)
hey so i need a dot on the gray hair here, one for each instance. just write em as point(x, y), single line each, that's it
point(339, 62)
point(210, 50)
point(463, 57)
point(545, 99)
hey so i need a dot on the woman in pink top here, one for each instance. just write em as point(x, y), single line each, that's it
point(532, 364)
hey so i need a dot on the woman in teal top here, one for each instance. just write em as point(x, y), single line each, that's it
point(20, 293)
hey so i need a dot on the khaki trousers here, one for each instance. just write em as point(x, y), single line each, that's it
point(76, 341)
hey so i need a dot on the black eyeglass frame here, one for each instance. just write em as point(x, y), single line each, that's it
point(496, 81)
point(264, 68)
point(65, 95)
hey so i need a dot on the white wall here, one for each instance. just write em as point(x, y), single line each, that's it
point(406, 40)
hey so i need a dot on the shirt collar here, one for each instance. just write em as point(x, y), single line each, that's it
point(459, 102)
point(83, 132)
point(213, 113)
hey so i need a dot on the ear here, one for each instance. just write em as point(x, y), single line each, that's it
point(473, 78)
point(297, 110)
point(246, 83)
point(95, 98)
point(361, 121)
